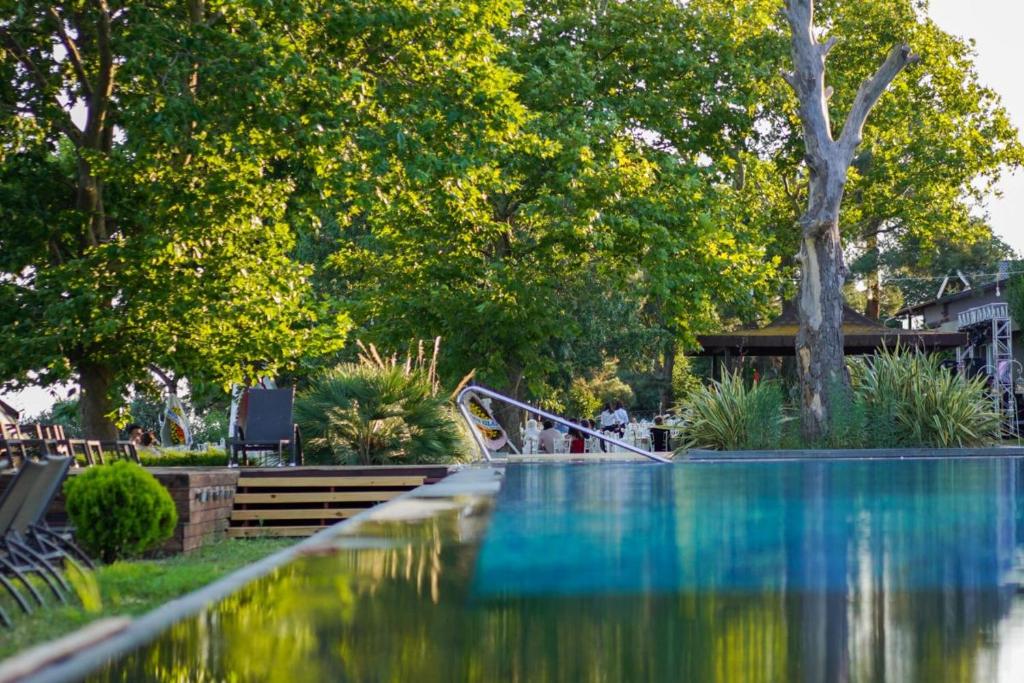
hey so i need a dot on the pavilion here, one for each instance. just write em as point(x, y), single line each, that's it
point(861, 335)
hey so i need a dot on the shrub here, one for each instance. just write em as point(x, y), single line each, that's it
point(119, 510)
point(911, 400)
point(214, 457)
point(376, 414)
point(731, 415)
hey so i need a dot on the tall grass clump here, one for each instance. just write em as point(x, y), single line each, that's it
point(911, 400)
point(732, 415)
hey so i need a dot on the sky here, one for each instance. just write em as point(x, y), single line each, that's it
point(994, 26)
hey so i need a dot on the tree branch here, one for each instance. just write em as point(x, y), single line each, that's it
point(73, 54)
point(808, 78)
point(827, 46)
point(65, 124)
point(869, 93)
point(100, 101)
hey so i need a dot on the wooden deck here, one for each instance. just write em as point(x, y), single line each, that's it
point(299, 501)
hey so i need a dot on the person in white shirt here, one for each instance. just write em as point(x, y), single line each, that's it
point(606, 423)
point(549, 437)
point(621, 418)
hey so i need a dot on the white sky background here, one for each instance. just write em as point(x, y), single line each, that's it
point(994, 25)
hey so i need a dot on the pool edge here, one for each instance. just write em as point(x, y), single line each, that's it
point(481, 480)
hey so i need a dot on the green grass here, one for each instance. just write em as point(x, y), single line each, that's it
point(133, 588)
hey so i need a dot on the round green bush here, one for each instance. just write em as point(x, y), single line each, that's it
point(119, 510)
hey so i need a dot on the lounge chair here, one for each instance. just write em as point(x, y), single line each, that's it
point(25, 550)
point(30, 525)
point(12, 564)
point(267, 425)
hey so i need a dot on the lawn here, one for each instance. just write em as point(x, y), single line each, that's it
point(134, 588)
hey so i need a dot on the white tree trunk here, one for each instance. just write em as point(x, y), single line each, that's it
point(819, 342)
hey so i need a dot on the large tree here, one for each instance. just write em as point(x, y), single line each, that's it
point(142, 218)
point(932, 152)
point(605, 194)
point(819, 342)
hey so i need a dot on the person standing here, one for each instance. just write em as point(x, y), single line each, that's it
point(621, 418)
point(606, 421)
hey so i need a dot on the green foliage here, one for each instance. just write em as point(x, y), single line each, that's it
point(119, 510)
point(167, 241)
point(213, 457)
point(545, 184)
point(925, 403)
point(587, 395)
point(1015, 297)
point(560, 235)
point(65, 414)
point(898, 399)
point(86, 588)
point(211, 427)
point(686, 374)
point(580, 400)
point(734, 415)
point(371, 415)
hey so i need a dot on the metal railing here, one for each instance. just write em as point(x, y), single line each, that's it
point(983, 314)
point(464, 395)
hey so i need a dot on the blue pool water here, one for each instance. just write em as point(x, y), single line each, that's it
point(753, 527)
point(734, 572)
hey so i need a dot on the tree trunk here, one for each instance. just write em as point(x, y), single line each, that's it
point(667, 398)
point(873, 308)
point(819, 342)
point(508, 416)
point(94, 401)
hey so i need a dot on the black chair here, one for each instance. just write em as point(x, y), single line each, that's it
point(267, 425)
point(660, 439)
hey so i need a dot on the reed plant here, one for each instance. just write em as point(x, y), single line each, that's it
point(733, 415)
point(912, 400)
point(896, 398)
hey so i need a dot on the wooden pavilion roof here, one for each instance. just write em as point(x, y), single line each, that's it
point(861, 335)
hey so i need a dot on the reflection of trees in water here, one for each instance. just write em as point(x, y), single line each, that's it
point(406, 613)
point(914, 595)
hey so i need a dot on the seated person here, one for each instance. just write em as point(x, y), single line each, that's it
point(660, 436)
point(577, 443)
point(549, 437)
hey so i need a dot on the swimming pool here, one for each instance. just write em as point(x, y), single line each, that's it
point(860, 570)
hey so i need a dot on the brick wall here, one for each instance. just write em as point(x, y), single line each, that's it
point(204, 498)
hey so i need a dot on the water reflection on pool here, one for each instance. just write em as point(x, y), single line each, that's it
point(795, 571)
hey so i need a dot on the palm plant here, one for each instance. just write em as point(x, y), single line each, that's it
point(377, 413)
